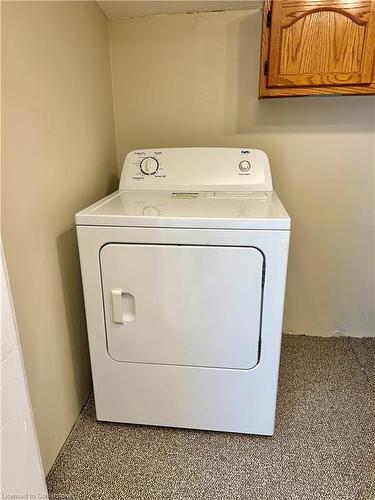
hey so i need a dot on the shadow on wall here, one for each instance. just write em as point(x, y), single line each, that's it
point(67, 248)
point(114, 181)
point(75, 311)
point(112, 185)
point(290, 114)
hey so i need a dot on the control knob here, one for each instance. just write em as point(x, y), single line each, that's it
point(149, 165)
point(244, 165)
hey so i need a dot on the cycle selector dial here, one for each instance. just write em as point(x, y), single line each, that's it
point(149, 165)
point(244, 166)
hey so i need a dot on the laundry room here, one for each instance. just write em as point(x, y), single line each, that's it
point(188, 249)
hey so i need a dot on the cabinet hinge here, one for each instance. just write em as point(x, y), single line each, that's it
point(269, 15)
point(265, 68)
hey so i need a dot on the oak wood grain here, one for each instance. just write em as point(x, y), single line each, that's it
point(320, 50)
point(293, 10)
point(320, 47)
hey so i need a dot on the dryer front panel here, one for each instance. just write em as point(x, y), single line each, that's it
point(184, 305)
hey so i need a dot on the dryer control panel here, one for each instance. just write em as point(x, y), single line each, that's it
point(200, 169)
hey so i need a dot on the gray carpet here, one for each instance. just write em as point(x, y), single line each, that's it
point(323, 447)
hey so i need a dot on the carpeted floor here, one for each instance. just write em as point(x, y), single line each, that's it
point(323, 447)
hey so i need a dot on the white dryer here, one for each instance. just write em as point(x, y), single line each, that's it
point(183, 273)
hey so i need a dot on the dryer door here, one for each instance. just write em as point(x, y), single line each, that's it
point(183, 304)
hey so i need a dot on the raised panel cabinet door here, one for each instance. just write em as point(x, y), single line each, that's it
point(319, 42)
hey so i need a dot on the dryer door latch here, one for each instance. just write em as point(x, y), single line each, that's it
point(123, 306)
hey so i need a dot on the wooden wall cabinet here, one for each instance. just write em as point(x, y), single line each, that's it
point(317, 47)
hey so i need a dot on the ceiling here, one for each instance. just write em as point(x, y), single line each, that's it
point(118, 8)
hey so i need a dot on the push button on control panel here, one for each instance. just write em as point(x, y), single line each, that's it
point(149, 165)
point(244, 166)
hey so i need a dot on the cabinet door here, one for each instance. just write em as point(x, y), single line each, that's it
point(321, 43)
point(183, 304)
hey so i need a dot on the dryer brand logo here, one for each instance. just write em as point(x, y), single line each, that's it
point(245, 151)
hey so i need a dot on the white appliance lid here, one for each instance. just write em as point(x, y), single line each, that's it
point(208, 209)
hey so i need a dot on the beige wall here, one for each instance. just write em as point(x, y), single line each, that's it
point(58, 156)
point(191, 80)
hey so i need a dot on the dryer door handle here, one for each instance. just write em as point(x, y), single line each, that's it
point(123, 306)
point(116, 294)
